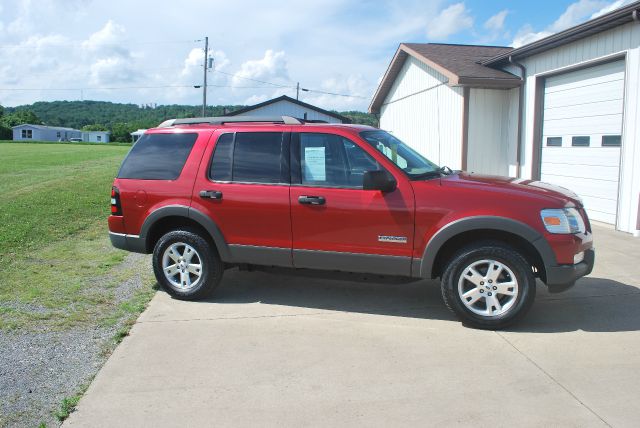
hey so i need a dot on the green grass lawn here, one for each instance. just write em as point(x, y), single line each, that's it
point(54, 248)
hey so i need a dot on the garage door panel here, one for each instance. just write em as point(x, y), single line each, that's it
point(580, 156)
point(587, 76)
point(584, 186)
point(604, 92)
point(593, 109)
point(569, 171)
point(585, 102)
point(602, 216)
point(605, 124)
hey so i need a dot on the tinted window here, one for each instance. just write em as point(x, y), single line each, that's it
point(333, 161)
point(611, 141)
point(580, 141)
point(220, 169)
point(158, 156)
point(411, 162)
point(554, 141)
point(257, 157)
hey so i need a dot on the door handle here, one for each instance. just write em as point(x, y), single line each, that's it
point(211, 194)
point(311, 200)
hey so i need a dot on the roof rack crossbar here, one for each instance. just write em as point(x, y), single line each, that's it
point(221, 120)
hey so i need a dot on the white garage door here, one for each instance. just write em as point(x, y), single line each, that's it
point(582, 135)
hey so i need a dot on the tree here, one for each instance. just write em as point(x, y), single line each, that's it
point(19, 117)
point(96, 127)
point(16, 118)
point(122, 131)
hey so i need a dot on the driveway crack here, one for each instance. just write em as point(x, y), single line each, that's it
point(553, 379)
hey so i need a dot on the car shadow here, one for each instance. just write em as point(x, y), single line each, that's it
point(594, 304)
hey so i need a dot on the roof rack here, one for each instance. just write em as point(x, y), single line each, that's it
point(287, 120)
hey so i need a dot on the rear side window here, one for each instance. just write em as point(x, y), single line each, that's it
point(158, 156)
point(249, 157)
point(222, 159)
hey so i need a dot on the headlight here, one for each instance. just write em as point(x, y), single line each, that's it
point(566, 220)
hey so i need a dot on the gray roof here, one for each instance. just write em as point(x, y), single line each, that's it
point(335, 115)
point(44, 127)
point(460, 64)
point(463, 61)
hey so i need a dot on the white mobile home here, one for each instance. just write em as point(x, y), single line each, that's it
point(562, 110)
point(96, 136)
point(30, 132)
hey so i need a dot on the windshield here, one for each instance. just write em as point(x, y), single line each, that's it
point(411, 162)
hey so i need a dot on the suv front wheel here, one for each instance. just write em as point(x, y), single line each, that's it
point(186, 265)
point(488, 285)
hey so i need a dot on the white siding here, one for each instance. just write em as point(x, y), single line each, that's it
point(92, 136)
point(493, 127)
point(45, 134)
point(286, 108)
point(624, 39)
point(424, 112)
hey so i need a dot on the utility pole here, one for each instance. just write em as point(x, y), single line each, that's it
point(204, 86)
point(298, 91)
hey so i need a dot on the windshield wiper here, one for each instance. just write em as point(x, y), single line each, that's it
point(428, 174)
point(445, 170)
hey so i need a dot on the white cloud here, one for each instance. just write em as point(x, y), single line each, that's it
point(220, 60)
point(352, 84)
point(112, 63)
point(452, 20)
point(496, 22)
point(113, 70)
point(574, 14)
point(256, 99)
point(109, 40)
point(87, 43)
point(610, 8)
point(273, 66)
point(527, 35)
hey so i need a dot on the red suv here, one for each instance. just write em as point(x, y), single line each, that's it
point(207, 194)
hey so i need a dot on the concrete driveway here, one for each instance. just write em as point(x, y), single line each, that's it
point(282, 351)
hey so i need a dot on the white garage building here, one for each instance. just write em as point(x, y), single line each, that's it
point(562, 110)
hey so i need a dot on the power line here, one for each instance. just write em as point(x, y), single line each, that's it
point(254, 80)
point(31, 45)
point(292, 86)
point(333, 93)
point(196, 86)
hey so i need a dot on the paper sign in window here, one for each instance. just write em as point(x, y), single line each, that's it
point(314, 164)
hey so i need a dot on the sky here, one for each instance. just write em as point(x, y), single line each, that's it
point(152, 52)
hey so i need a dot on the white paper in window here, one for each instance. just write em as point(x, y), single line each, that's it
point(314, 164)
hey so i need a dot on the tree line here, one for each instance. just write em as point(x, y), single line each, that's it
point(119, 119)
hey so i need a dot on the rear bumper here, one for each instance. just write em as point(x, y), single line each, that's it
point(563, 277)
point(128, 242)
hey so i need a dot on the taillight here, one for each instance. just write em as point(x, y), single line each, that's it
point(116, 208)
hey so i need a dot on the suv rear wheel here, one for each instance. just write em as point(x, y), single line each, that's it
point(488, 285)
point(186, 265)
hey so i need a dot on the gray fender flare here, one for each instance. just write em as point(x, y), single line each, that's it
point(457, 227)
point(184, 211)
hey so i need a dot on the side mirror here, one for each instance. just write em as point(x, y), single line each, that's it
point(379, 180)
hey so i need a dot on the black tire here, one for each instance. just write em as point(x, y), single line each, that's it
point(211, 265)
point(478, 253)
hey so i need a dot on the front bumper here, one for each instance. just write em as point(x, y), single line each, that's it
point(563, 277)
